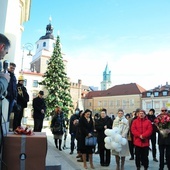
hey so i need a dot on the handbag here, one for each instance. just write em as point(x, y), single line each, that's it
point(91, 141)
point(56, 129)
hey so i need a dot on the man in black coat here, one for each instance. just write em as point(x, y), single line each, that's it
point(74, 120)
point(151, 116)
point(39, 111)
point(12, 88)
point(164, 144)
point(103, 123)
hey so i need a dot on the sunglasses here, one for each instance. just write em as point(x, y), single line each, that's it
point(164, 110)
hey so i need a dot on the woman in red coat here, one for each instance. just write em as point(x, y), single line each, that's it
point(141, 129)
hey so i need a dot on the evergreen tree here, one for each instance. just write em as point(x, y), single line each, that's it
point(56, 82)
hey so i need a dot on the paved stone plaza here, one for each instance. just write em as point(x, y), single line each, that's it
point(69, 162)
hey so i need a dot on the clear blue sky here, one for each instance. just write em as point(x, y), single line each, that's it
point(132, 36)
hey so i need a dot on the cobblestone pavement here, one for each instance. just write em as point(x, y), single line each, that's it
point(69, 162)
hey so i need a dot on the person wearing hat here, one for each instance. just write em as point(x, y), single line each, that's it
point(22, 100)
point(39, 111)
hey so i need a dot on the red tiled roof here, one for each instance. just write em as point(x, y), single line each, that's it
point(118, 90)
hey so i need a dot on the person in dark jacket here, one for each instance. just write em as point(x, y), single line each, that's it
point(104, 122)
point(151, 116)
point(39, 111)
point(87, 129)
point(141, 129)
point(164, 145)
point(78, 138)
point(74, 119)
point(22, 100)
point(58, 127)
point(12, 88)
point(96, 117)
point(66, 122)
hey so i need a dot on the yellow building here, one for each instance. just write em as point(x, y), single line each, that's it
point(125, 96)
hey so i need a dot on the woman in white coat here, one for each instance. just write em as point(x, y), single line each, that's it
point(122, 123)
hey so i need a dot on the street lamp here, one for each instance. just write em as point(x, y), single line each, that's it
point(152, 96)
point(29, 47)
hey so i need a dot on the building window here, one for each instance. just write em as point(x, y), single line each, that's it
point(123, 104)
point(25, 82)
point(111, 103)
point(44, 44)
point(157, 105)
point(118, 103)
point(90, 104)
point(148, 94)
point(35, 83)
point(164, 93)
point(156, 94)
point(99, 103)
point(37, 46)
point(131, 102)
point(34, 95)
point(105, 103)
point(148, 105)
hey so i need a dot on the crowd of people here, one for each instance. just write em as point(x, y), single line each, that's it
point(138, 128)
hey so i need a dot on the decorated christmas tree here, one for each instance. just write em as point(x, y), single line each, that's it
point(56, 82)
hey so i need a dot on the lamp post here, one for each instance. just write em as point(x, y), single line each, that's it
point(152, 96)
point(29, 47)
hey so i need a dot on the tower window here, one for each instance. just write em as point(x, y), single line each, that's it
point(44, 44)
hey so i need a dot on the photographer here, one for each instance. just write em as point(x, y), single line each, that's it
point(4, 80)
point(4, 77)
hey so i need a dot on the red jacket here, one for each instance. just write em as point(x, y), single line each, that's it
point(141, 127)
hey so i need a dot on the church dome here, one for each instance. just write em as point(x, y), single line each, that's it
point(49, 33)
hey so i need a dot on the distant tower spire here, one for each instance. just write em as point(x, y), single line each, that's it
point(50, 19)
point(106, 83)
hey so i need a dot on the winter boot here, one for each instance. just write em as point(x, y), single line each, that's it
point(60, 141)
point(56, 143)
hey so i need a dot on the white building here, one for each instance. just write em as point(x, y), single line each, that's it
point(13, 13)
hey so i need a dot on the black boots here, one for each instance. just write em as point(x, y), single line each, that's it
point(56, 144)
point(60, 141)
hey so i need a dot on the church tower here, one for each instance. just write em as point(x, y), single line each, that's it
point(106, 83)
point(44, 50)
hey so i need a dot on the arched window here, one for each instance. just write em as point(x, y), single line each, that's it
point(44, 44)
